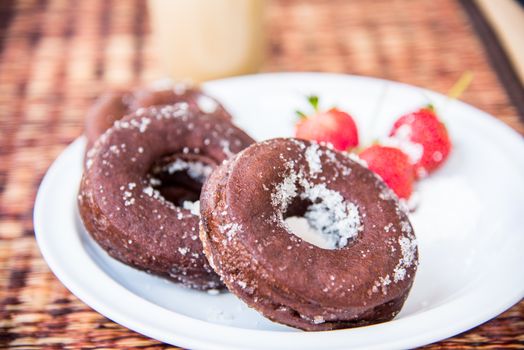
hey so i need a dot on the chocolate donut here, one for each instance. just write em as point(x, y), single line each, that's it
point(113, 105)
point(140, 182)
point(246, 207)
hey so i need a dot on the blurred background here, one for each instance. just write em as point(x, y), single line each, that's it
point(57, 56)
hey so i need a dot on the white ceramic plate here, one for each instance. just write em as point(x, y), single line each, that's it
point(469, 224)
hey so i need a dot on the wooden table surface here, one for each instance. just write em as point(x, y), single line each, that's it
point(56, 56)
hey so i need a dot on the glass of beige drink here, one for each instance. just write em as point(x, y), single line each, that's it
point(199, 40)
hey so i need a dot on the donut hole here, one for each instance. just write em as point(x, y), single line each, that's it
point(321, 221)
point(179, 178)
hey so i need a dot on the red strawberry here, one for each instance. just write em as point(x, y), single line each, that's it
point(393, 166)
point(332, 126)
point(424, 138)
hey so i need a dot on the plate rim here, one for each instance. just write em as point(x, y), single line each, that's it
point(502, 130)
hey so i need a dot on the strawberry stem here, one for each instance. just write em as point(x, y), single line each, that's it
point(301, 114)
point(313, 101)
point(461, 85)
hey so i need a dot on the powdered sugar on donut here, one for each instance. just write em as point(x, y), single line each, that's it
point(193, 207)
point(313, 159)
point(230, 230)
point(198, 171)
point(408, 248)
point(285, 192)
point(334, 220)
point(155, 194)
point(226, 148)
point(354, 157)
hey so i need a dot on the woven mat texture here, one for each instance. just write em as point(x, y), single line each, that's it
point(56, 56)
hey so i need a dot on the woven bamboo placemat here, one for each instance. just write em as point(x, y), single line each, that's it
point(56, 56)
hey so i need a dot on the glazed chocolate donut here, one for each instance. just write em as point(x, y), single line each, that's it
point(142, 177)
point(246, 207)
point(113, 105)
